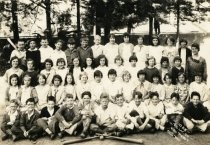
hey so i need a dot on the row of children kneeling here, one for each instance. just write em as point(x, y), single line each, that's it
point(87, 118)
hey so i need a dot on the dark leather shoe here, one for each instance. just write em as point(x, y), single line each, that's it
point(5, 137)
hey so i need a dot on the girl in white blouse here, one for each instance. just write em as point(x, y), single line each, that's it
point(42, 90)
point(69, 85)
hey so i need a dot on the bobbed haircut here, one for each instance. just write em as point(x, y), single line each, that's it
point(194, 93)
point(196, 45)
point(85, 93)
point(175, 95)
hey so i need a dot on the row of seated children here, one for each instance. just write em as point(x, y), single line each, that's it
point(22, 85)
point(86, 118)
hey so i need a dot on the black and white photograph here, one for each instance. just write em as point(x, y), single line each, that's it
point(98, 72)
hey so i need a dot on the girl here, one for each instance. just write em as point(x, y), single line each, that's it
point(111, 50)
point(34, 54)
point(127, 86)
point(61, 69)
point(76, 69)
point(164, 62)
point(69, 85)
point(42, 90)
point(27, 91)
point(176, 69)
point(58, 52)
point(15, 62)
point(49, 72)
point(83, 85)
point(196, 64)
point(133, 69)
point(102, 66)
point(118, 66)
point(170, 50)
point(199, 86)
point(126, 48)
point(156, 86)
point(155, 111)
point(97, 48)
point(182, 88)
point(57, 90)
point(150, 70)
point(89, 68)
point(13, 90)
point(141, 52)
point(96, 86)
point(143, 85)
point(168, 87)
point(156, 50)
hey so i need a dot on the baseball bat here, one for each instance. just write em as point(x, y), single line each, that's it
point(79, 140)
point(11, 43)
point(129, 140)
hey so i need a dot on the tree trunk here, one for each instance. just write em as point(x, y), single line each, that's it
point(150, 28)
point(129, 26)
point(15, 20)
point(78, 22)
point(48, 31)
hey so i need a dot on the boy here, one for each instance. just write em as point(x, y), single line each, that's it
point(184, 52)
point(68, 116)
point(86, 108)
point(58, 52)
point(126, 48)
point(97, 48)
point(176, 69)
point(113, 87)
point(136, 113)
point(84, 51)
point(45, 50)
point(96, 87)
point(47, 120)
point(71, 52)
point(28, 123)
point(105, 117)
point(174, 111)
point(10, 119)
point(124, 124)
point(20, 53)
point(34, 54)
point(31, 72)
point(196, 116)
point(111, 50)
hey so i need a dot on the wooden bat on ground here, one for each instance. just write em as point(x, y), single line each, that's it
point(11, 43)
point(79, 140)
point(129, 140)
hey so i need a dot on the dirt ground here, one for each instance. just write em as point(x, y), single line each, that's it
point(149, 139)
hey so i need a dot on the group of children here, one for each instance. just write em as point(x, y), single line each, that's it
point(112, 89)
